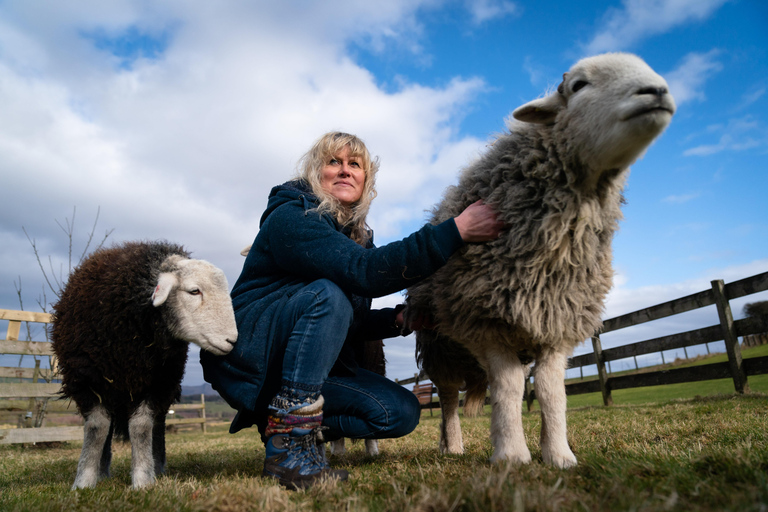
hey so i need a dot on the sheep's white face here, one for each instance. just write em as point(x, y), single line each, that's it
point(198, 295)
point(610, 107)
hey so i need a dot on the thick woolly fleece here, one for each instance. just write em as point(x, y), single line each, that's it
point(295, 246)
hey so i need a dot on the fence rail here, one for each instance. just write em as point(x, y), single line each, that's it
point(728, 330)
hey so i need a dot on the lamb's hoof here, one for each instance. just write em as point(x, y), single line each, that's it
point(77, 486)
point(140, 482)
point(86, 480)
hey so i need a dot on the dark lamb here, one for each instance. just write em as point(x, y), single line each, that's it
point(121, 333)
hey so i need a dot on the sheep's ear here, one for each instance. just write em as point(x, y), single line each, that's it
point(541, 111)
point(165, 283)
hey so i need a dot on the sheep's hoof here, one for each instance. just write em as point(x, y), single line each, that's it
point(337, 447)
point(561, 461)
point(372, 447)
point(516, 457)
point(451, 448)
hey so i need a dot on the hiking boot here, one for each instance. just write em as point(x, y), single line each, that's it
point(297, 460)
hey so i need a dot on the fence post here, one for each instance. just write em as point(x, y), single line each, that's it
point(605, 388)
point(729, 336)
point(202, 413)
point(528, 393)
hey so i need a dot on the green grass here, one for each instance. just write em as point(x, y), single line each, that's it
point(701, 454)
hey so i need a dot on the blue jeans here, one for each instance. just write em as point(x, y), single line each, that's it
point(311, 330)
point(368, 406)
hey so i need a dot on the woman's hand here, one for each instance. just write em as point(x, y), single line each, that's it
point(414, 322)
point(479, 223)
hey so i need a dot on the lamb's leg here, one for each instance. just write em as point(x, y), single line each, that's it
point(140, 426)
point(158, 443)
point(106, 454)
point(372, 447)
point(95, 435)
point(450, 426)
point(550, 392)
point(506, 375)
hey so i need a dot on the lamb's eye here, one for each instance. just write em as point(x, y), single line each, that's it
point(195, 291)
point(578, 85)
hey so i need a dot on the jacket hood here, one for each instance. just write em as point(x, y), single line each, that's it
point(287, 192)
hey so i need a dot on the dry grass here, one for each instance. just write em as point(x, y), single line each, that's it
point(702, 454)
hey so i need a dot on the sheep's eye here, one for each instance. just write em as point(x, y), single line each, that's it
point(578, 85)
point(195, 291)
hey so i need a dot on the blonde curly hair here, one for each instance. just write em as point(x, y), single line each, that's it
point(310, 170)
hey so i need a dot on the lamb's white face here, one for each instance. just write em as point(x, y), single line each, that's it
point(610, 106)
point(198, 294)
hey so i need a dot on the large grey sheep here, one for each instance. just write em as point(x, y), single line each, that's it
point(121, 331)
point(556, 178)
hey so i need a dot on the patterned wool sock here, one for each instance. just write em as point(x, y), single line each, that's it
point(303, 416)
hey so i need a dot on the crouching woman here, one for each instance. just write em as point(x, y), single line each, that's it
point(303, 300)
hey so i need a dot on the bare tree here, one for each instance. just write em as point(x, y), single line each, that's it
point(55, 281)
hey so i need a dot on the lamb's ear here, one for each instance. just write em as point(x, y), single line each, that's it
point(541, 111)
point(165, 283)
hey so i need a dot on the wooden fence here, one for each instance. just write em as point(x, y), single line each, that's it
point(36, 385)
point(727, 330)
point(199, 407)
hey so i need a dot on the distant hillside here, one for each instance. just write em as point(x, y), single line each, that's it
point(204, 389)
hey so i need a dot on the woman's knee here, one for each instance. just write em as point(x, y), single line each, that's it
point(406, 415)
point(333, 295)
point(328, 296)
point(403, 412)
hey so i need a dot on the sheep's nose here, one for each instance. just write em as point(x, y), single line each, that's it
point(656, 91)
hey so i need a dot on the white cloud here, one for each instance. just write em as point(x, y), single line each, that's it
point(739, 134)
point(486, 10)
point(639, 19)
point(186, 146)
point(751, 97)
point(687, 81)
point(681, 198)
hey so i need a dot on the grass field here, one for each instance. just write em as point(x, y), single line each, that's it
point(701, 454)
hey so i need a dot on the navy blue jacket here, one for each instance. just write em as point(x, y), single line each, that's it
point(295, 246)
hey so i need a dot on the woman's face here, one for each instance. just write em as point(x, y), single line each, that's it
point(343, 177)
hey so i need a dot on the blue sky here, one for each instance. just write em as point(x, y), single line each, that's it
point(176, 118)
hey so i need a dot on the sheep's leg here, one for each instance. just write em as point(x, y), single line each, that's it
point(372, 447)
point(140, 427)
point(507, 381)
point(450, 427)
point(338, 447)
point(158, 443)
point(95, 436)
point(550, 392)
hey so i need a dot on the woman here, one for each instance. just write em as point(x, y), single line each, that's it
point(303, 300)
